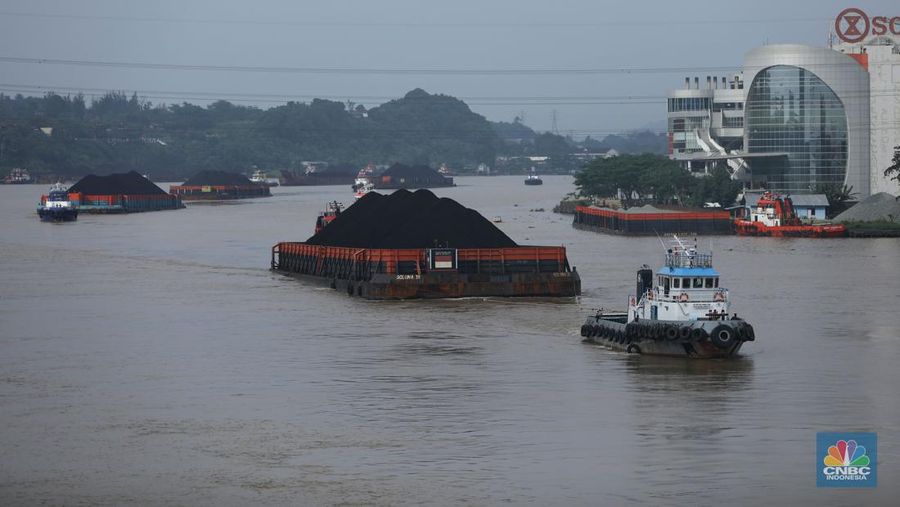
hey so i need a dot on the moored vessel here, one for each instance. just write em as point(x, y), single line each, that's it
point(365, 181)
point(56, 206)
point(685, 313)
point(534, 179)
point(332, 211)
point(774, 215)
point(17, 176)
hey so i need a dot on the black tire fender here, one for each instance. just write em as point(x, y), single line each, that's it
point(722, 336)
point(671, 332)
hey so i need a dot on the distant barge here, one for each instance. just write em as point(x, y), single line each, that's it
point(525, 271)
point(646, 220)
point(219, 185)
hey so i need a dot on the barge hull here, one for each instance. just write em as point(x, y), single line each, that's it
point(405, 274)
point(462, 286)
point(646, 224)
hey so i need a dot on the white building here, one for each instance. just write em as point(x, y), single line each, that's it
point(799, 117)
point(706, 123)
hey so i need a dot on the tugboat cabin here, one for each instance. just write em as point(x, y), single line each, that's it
point(687, 287)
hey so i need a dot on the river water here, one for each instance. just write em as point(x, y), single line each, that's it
point(154, 359)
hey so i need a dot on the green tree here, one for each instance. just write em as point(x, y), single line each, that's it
point(717, 187)
point(118, 132)
point(893, 171)
point(838, 196)
point(638, 176)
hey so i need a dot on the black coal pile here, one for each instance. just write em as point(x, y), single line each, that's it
point(407, 219)
point(217, 179)
point(130, 183)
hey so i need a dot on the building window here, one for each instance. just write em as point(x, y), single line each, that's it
point(733, 123)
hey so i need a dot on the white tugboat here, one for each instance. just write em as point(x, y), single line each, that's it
point(365, 181)
point(56, 207)
point(533, 179)
point(685, 313)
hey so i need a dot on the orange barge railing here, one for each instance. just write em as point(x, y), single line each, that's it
point(362, 263)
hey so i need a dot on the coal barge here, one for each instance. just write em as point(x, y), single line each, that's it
point(219, 185)
point(120, 193)
point(413, 245)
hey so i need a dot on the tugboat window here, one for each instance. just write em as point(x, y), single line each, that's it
point(717, 282)
point(676, 283)
point(666, 285)
point(709, 283)
point(698, 283)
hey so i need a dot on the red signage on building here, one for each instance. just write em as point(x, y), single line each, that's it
point(853, 25)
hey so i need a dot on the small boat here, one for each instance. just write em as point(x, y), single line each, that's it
point(534, 179)
point(364, 182)
point(362, 189)
point(774, 216)
point(332, 211)
point(685, 313)
point(56, 206)
point(259, 177)
point(17, 176)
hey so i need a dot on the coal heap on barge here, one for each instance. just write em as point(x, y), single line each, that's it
point(407, 219)
point(218, 185)
point(120, 193)
point(416, 245)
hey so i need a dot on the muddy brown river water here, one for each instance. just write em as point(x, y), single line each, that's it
point(154, 359)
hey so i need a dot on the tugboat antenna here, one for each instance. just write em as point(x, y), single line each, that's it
point(661, 242)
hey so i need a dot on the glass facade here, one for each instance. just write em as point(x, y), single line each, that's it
point(790, 110)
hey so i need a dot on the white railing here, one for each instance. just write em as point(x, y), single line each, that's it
point(688, 260)
point(694, 295)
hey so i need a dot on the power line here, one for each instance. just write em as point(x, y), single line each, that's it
point(383, 71)
point(447, 24)
point(372, 71)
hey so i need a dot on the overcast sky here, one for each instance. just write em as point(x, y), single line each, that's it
point(370, 51)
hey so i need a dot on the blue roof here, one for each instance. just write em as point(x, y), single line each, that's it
point(688, 271)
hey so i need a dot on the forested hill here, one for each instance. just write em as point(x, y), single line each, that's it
point(66, 136)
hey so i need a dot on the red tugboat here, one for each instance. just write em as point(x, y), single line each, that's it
point(774, 216)
point(332, 210)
